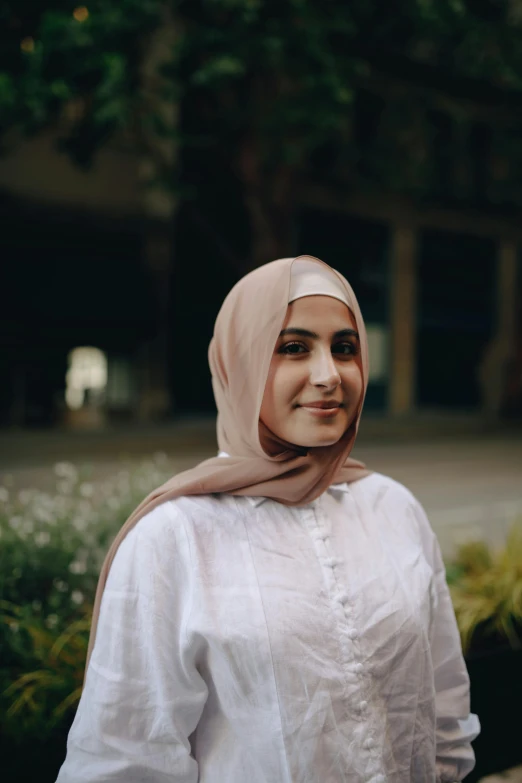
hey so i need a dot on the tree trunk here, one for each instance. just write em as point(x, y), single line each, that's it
point(270, 199)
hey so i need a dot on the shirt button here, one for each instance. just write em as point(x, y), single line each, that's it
point(320, 535)
point(363, 705)
point(342, 598)
point(331, 562)
point(352, 633)
point(379, 779)
point(368, 743)
point(358, 668)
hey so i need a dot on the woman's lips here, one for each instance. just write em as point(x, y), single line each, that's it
point(324, 413)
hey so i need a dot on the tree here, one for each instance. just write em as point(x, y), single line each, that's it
point(274, 81)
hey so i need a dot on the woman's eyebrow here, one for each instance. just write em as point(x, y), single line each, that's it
point(305, 333)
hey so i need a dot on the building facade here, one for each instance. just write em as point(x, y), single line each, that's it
point(102, 322)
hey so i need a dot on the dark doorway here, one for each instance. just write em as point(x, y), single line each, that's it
point(455, 317)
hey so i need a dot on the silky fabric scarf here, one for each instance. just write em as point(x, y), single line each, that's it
point(261, 464)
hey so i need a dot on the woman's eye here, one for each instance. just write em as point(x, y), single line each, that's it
point(348, 349)
point(292, 348)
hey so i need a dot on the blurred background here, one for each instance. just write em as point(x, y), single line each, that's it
point(154, 151)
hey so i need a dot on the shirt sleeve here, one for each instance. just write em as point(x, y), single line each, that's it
point(143, 695)
point(456, 727)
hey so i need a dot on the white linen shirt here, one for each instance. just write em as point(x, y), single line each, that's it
point(244, 641)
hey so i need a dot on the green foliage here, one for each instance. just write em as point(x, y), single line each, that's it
point(42, 697)
point(276, 89)
point(51, 550)
point(285, 71)
point(54, 61)
point(486, 589)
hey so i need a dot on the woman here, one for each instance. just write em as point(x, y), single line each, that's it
point(278, 614)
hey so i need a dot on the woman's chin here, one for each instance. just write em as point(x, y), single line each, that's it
point(315, 439)
point(324, 442)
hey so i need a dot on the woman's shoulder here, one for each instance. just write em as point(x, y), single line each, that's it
point(384, 489)
point(402, 510)
point(160, 538)
point(169, 521)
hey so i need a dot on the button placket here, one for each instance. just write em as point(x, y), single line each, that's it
point(349, 635)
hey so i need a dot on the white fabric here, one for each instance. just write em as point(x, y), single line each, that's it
point(310, 279)
point(243, 641)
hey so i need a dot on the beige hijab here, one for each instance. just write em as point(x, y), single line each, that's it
point(245, 333)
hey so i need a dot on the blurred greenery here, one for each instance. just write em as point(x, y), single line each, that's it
point(272, 84)
point(486, 589)
point(51, 550)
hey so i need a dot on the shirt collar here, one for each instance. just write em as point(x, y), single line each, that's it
point(256, 500)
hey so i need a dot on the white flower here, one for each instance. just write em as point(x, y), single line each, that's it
point(77, 567)
point(66, 470)
point(25, 496)
point(114, 503)
point(61, 586)
point(52, 621)
point(60, 506)
point(45, 501)
point(77, 597)
point(42, 538)
point(64, 487)
point(37, 605)
point(43, 514)
point(86, 490)
point(4, 494)
point(28, 528)
point(80, 524)
point(15, 522)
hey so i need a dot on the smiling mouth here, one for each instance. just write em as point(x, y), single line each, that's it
point(322, 411)
point(322, 405)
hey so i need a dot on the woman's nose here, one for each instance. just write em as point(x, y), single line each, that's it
point(324, 371)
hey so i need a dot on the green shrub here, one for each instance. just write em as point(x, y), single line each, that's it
point(486, 589)
point(51, 550)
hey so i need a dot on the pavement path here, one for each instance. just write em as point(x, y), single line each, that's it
point(470, 487)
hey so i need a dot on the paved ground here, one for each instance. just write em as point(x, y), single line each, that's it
point(469, 480)
point(510, 776)
point(470, 487)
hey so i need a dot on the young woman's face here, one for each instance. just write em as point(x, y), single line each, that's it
point(315, 379)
